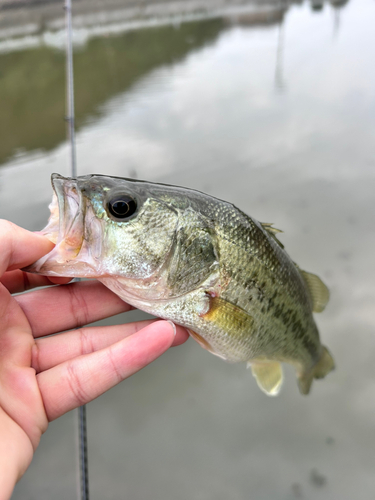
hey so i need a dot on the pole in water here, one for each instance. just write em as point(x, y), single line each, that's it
point(70, 117)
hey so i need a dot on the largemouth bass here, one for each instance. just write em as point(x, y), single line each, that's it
point(188, 257)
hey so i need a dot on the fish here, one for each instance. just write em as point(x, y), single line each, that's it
point(198, 261)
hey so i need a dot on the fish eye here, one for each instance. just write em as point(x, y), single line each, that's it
point(122, 207)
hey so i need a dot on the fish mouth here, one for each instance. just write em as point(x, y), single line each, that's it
point(71, 256)
point(66, 219)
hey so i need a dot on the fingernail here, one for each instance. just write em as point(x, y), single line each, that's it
point(173, 326)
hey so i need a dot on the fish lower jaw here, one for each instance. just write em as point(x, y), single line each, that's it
point(62, 261)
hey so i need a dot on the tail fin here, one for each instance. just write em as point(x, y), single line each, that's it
point(319, 370)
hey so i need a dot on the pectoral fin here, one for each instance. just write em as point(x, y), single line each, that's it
point(269, 376)
point(318, 291)
point(229, 317)
point(233, 322)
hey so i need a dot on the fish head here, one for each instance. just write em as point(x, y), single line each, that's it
point(106, 226)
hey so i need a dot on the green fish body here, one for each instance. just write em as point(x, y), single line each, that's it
point(201, 262)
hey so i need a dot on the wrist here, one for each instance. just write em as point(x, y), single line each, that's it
point(16, 452)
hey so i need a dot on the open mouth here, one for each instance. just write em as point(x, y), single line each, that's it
point(66, 219)
point(66, 228)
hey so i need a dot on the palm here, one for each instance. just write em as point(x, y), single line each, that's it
point(20, 396)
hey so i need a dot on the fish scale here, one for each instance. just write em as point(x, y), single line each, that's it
point(199, 261)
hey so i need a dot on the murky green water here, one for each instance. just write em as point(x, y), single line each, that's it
point(32, 82)
point(276, 115)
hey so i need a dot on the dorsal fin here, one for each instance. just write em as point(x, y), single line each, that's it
point(318, 291)
point(272, 231)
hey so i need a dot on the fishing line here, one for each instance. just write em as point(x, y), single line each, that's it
point(70, 118)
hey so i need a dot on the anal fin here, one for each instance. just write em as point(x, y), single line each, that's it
point(269, 376)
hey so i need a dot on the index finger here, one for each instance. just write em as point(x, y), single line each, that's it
point(18, 281)
point(82, 379)
point(19, 247)
point(60, 308)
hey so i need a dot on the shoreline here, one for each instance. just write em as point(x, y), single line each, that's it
point(29, 24)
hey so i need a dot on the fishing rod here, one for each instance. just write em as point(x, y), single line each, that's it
point(70, 118)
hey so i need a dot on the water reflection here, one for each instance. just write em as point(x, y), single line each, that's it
point(32, 82)
point(168, 100)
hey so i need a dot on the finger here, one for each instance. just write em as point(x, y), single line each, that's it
point(59, 308)
point(52, 351)
point(19, 281)
point(19, 247)
point(59, 280)
point(80, 380)
point(15, 332)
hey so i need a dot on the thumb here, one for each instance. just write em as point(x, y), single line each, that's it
point(19, 247)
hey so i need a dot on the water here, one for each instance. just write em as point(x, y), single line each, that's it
point(275, 113)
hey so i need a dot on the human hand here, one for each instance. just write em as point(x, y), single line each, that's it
point(43, 378)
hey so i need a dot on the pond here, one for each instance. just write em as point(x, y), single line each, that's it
point(270, 106)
